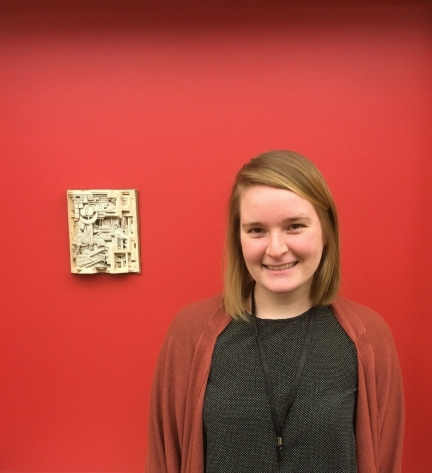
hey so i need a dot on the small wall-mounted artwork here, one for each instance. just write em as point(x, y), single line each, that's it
point(103, 231)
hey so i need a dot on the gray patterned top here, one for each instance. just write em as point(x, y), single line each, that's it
point(319, 432)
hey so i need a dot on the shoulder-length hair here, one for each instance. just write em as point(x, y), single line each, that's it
point(291, 171)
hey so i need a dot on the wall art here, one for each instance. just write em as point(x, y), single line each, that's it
point(103, 231)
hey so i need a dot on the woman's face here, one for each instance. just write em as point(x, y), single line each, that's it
point(281, 239)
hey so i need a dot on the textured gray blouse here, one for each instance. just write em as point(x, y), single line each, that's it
point(319, 432)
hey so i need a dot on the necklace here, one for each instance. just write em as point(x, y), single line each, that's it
point(279, 425)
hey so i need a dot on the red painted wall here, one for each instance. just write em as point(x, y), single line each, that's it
point(171, 101)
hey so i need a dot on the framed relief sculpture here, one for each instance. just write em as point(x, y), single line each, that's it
point(103, 231)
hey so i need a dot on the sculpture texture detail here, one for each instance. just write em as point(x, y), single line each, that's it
point(103, 231)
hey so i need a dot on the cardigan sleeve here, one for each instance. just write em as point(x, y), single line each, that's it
point(380, 402)
point(173, 398)
point(385, 391)
point(165, 423)
point(390, 409)
point(169, 396)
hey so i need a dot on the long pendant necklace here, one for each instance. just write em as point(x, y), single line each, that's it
point(277, 425)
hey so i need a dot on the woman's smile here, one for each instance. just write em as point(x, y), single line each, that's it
point(280, 267)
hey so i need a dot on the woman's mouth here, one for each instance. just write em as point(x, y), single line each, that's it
point(280, 267)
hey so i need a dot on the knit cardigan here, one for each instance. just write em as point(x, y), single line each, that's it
point(175, 435)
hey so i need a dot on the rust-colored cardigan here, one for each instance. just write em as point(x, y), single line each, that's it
point(175, 437)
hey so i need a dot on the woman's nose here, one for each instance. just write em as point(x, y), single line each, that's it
point(277, 245)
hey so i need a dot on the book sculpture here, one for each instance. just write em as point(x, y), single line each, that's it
point(103, 231)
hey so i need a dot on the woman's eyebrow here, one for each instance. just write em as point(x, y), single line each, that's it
point(252, 224)
point(296, 218)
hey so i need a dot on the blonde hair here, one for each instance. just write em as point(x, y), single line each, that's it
point(291, 171)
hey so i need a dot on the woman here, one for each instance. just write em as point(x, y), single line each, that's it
point(279, 374)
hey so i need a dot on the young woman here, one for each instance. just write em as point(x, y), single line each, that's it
point(278, 374)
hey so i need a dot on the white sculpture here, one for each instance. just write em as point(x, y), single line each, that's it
point(103, 231)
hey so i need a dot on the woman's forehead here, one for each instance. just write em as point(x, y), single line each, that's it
point(264, 202)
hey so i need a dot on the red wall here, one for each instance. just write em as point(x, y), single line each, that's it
point(171, 102)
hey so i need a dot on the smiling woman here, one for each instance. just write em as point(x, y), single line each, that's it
point(282, 244)
point(272, 173)
point(313, 383)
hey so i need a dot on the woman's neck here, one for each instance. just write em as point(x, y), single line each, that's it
point(280, 306)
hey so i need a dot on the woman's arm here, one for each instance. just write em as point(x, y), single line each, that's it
point(391, 410)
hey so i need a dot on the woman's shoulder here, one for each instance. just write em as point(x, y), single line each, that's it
point(192, 327)
point(361, 320)
point(193, 319)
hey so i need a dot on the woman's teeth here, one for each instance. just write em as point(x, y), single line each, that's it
point(280, 267)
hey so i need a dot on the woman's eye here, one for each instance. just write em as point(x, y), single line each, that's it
point(295, 226)
point(255, 231)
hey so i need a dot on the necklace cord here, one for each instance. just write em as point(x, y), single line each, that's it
point(278, 426)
